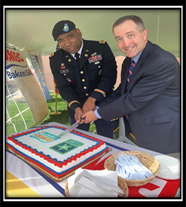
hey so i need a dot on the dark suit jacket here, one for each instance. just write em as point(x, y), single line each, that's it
point(152, 101)
point(95, 76)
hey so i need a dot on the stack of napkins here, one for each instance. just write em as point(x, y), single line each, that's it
point(94, 183)
point(129, 167)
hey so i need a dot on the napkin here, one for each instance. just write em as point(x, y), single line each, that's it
point(129, 167)
point(94, 183)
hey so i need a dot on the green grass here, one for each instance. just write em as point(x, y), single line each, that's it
point(17, 120)
point(62, 107)
point(61, 118)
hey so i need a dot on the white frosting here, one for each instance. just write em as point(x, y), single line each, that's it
point(34, 143)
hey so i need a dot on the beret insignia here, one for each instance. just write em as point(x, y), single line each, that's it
point(66, 28)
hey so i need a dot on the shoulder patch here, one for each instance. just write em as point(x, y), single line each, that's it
point(102, 42)
point(52, 54)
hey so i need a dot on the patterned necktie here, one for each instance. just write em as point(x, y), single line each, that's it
point(131, 68)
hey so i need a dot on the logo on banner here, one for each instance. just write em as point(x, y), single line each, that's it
point(18, 74)
point(13, 56)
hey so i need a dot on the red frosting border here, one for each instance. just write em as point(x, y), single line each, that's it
point(57, 175)
point(49, 159)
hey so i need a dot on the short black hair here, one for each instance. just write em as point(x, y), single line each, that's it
point(137, 20)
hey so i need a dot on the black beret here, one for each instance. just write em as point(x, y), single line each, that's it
point(62, 27)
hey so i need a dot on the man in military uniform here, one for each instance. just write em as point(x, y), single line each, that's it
point(85, 73)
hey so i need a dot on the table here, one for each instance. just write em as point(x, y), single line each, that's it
point(22, 180)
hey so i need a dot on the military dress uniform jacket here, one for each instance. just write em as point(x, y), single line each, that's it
point(151, 101)
point(95, 76)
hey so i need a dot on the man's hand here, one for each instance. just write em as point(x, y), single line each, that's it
point(78, 114)
point(89, 116)
point(89, 105)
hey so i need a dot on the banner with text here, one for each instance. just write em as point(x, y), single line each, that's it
point(18, 73)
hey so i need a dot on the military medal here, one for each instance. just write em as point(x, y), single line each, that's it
point(95, 59)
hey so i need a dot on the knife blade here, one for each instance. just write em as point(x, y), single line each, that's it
point(72, 127)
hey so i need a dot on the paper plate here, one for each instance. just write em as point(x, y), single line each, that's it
point(170, 167)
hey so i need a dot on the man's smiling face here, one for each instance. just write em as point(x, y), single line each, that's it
point(130, 39)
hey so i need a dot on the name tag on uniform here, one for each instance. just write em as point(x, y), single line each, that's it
point(63, 71)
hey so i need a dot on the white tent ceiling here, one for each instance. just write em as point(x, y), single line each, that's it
point(31, 28)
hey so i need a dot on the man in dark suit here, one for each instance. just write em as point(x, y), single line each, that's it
point(85, 73)
point(148, 97)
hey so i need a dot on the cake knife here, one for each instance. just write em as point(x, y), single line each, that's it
point(70, 128)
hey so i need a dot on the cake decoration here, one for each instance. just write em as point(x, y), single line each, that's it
point(65, 147)
point(44, 136)
point(57, 158)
